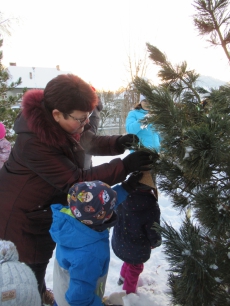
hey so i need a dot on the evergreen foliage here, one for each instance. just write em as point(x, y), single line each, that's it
point(213, 20)
point(193, 169)
point(7, 114)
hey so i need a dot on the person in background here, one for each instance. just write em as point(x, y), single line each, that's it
point(18, 284)
point(47, 159)
point(147, 135)
point(81, 265)
point(134, 235)
point(5, 146)
point(94, 120)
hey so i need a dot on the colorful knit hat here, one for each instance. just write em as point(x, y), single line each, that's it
point(92, 202)
point(2, 130)
point(18, 285)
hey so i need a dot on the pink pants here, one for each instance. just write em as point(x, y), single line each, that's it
point(130, 273)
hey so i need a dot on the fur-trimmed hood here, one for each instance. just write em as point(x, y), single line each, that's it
point(35, 118)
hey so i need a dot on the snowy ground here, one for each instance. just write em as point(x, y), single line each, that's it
point(152, 285)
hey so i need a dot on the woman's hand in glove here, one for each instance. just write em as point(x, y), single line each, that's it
point(127, 141)
point(138, 161)
point(132, 182)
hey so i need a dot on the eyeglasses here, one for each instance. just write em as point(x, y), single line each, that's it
point(81, 121)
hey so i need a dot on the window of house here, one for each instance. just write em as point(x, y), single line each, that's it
point(4, 96)
point(19, 96)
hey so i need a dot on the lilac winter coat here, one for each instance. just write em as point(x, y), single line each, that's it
point(5, 149)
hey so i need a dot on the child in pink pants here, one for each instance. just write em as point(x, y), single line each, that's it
point(134, 235)
point(129, 276)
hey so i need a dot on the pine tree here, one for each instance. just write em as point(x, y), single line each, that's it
point(194, 168)
point(7, 115)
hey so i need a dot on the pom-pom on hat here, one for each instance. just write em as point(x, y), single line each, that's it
point(2, 130)
point(92, 203)
point(18, 285)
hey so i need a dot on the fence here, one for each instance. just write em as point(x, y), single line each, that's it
point(112, 130)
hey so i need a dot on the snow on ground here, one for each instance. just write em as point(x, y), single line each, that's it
point(152, 285)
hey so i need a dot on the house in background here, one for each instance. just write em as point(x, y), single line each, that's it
point(32, 78)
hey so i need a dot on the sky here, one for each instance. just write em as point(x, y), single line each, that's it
point(95, 39)
point(152, 284)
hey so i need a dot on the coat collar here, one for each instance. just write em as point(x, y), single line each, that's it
point(37, 119)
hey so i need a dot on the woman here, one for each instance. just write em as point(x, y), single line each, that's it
point(147, 134)
point(47, 159)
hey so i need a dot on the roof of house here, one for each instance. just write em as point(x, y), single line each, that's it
point(33, 77)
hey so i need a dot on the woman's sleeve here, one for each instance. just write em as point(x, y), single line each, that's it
point(132, 124)
point(59, 171)
point(101, 145)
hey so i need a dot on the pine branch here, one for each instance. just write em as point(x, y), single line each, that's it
point(193, 265)
point(178, 79)
point(211, 17)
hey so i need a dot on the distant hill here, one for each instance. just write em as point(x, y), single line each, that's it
point(209, 82)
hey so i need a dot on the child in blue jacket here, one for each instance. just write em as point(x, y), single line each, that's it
point(82, 237)
point(148, 136)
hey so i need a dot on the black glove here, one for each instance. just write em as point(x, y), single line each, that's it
point(132, 182)
point(138, 161)
point(127, 141)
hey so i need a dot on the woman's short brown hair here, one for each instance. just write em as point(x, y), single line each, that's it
point(68, 92)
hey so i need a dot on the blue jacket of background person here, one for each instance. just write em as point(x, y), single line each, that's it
point(83, 254)
point(134, 235)
point(147, 134)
